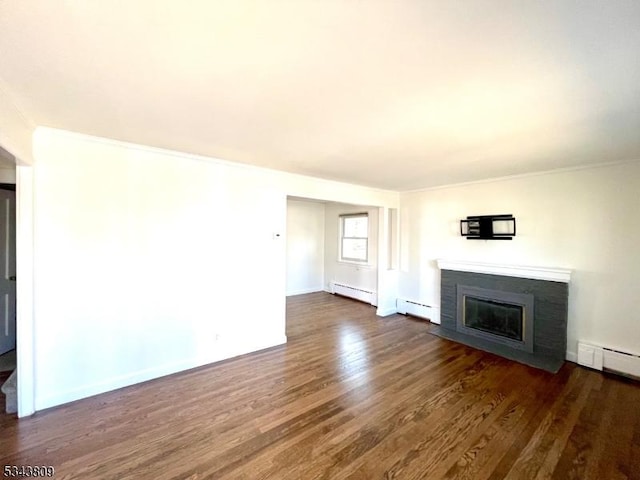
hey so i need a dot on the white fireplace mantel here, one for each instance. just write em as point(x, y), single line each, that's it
point(536, 273)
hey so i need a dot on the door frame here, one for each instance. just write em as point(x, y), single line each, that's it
point(24, 294)
point(9, 187)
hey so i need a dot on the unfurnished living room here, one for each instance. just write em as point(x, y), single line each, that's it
point(320, 239)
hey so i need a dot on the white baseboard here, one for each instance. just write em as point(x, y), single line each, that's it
point(572, 357)
point(358, 293)
point(601, 357)
point(303, 291)
point(84, 391)
point(385, 312)
point(246, 345)
point(419, 309)
point(223, 351)
point(622, 362)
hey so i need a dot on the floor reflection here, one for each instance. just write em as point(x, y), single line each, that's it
point(353, 361)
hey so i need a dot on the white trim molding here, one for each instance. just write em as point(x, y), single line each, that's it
point(385, 312)
point(229, 348)
point(303, 291)
point(535, 273)
point(25, 336)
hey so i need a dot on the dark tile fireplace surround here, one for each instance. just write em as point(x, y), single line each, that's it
point(523, 319)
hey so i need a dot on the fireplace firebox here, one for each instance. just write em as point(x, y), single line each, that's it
point(497, 316)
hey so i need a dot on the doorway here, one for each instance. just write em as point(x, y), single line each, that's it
point(7, 271)
point(8, 340)
point(314, 254)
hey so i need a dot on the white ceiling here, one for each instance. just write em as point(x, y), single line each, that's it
point(398, 95)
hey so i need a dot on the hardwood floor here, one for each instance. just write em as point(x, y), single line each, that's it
point(351, 396)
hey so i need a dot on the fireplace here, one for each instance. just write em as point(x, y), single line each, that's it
point(496, 316)
point(516, 312)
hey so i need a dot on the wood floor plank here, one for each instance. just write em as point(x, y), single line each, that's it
point(586, 442)
point(470, 450)
point(351, 395)
point(617, 461)
point(409, 453)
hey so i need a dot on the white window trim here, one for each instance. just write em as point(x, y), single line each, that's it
point(353, 261)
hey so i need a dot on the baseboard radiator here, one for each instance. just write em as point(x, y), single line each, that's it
point(603, 358)
point(361, 294)
point(416, 309)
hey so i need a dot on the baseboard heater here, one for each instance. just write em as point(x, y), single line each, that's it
point(363, 295)
point(604, 358)
point(416, 309)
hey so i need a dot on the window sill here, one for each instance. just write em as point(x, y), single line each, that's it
point(356, 263)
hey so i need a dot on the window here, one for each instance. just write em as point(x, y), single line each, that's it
point(354, 237)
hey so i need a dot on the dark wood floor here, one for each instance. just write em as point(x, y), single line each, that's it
point(350, 396)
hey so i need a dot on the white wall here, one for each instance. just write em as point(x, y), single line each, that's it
point(305, 246)
point(353, 274)
point(148, 262)
point(15, 130)
point(585, 220)
point(7, 174)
